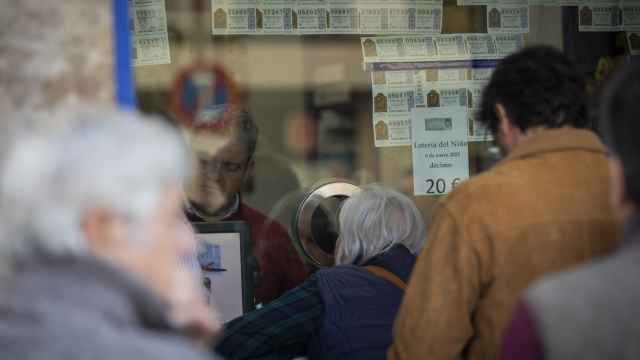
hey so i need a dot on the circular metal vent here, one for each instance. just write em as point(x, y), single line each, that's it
point(315, 224)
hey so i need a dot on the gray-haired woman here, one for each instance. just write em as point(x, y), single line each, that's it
point(346, 311)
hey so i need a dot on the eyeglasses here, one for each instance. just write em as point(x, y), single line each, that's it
point(215, 165)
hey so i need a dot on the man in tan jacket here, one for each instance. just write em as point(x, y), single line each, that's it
point(544, 208)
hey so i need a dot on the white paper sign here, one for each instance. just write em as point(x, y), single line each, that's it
point(633, 41)
point(600, 15)
point(508, 16)
point(148, 30)
point(440, 150)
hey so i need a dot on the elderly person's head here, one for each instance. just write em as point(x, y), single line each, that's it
point(374, 221)
point(107, 185)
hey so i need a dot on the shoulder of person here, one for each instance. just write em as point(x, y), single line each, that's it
point(591, 283)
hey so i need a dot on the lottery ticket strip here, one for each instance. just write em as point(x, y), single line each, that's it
point(383, 17)
point(297, 17)
point(410, 73)
point(148, 29)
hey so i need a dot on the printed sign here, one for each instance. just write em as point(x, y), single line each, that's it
point(148, 29)
point(440, 150)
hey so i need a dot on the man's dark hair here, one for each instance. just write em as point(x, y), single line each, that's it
point(619, 115)
point(538, 87)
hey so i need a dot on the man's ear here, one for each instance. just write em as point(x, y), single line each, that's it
point(508, 134)
point(102, 230)
point(504, 123)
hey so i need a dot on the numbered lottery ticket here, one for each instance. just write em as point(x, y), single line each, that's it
point(600, 16)
point(508, 16)
point(275, 17)
point(234, 16)
point(311, 16)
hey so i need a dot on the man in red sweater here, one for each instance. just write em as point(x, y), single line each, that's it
point(224, 161)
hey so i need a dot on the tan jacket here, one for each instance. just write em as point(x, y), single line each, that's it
point(543, 209)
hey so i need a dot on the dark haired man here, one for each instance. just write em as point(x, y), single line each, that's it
point(542, 209)
point(591, 312)
point(224, 159)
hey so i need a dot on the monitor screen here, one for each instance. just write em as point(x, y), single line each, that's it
point(223, 254)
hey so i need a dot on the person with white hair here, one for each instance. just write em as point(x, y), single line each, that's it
point(345, 311)
point(92, 237)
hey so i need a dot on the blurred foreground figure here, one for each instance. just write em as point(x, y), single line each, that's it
point(345, 311)
point(592, 312)
point(93, 231)
point(542, 209)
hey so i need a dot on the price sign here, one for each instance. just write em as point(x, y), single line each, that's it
point(440, 149)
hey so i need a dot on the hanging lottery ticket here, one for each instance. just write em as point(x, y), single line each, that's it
point(343, 17)
point(275, 17)
point(410, 16)
point(600, 15)
point(311, 17)
point(508, 43)
point(394, 97)
point(148, 29)
point(508, 16)
point(233, 16)
point(451, 47)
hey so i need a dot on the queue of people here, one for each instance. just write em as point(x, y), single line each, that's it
point(521, 262)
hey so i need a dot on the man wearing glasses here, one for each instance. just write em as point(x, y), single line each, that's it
point(224, 161)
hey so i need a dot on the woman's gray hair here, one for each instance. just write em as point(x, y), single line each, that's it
point(120, 161)
point(375, 220)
